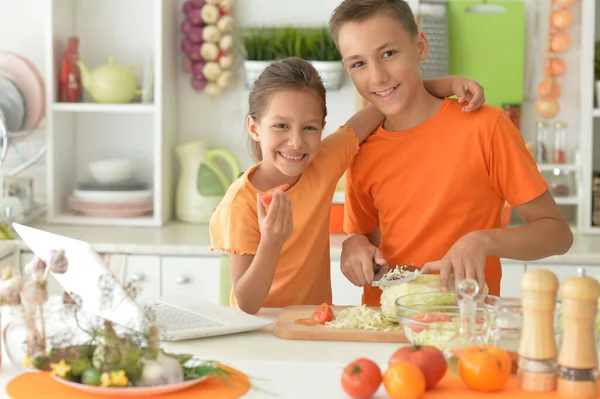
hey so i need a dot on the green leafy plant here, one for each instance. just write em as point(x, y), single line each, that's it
point(597, 61)
point(267, 44)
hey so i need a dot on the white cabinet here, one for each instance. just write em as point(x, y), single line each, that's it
point(344, 292)
point(511, 277)
point(194, 276)
point(140, 34)
point(144, 272)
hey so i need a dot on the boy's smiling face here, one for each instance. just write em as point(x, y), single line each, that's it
point(383, 61)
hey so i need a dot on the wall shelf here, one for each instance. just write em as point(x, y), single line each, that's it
point(95, 107)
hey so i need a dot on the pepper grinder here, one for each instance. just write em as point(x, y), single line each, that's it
point(577, 361)
point(537, 351)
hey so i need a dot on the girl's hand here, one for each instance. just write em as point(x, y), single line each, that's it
point(276, 224)
point(468, 90)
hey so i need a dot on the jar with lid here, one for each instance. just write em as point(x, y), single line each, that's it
point(560, 142)
point(513, 111)
point(542, 142)
point(506, 331)
point(560, 183)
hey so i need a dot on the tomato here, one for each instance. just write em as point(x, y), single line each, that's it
point(484, 368)
point(323, 314)
point(404, 380)
point(267, 196)
point(429, 359)
point(361, 378)
point(427, 318)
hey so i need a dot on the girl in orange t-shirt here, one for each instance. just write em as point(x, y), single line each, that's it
point(274, 220)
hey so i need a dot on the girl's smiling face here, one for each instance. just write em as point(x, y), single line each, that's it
point(289, 132)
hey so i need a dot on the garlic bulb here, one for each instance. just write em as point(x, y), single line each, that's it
point(226, 61)
point(58, 262)
point(213, 89)
point(164, 370)
point(225, 24)
point(209, 51)
point(215, 2)
point(35, 268)
point(225, 79)
point(210, 13)
point(211, 71)
point(10, 289)
point(226, 42)
point(226, 5)
point(211, 33)
point(35, 292)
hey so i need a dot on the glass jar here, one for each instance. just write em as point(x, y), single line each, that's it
point(513, 111)
point(542, 142)
point(506, 330)
point(560, 142)
point(560, 183)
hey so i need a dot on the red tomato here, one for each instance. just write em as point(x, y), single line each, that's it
point(323, 314)
point(361, 378)
point(267, 196)
point(427, 318)
point(430, 360)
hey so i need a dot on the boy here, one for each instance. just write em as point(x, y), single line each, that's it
point(428, 186)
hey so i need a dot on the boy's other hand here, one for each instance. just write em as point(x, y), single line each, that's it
point(468, 91)
point(466, 259)
point(359, 260)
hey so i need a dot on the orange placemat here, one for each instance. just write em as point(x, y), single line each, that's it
point(41, 385)
point(450, 387)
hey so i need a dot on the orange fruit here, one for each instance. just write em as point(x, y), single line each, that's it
point(484, 368)
point(404, 380)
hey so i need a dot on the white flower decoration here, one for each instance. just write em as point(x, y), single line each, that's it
point(209, 51)
point(209, 13)
point(211, 33)
point(211, 71)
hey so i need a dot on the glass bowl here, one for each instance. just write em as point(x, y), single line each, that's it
point(432, 318)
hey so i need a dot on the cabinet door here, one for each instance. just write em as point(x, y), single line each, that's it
point(344, 292)
point(144, 272)
point(197, 276)
point(511, 277)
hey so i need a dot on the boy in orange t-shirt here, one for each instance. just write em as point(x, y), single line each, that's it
point(428, 186)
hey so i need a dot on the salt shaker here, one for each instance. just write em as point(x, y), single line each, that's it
point(537, 351)
point(577, 361)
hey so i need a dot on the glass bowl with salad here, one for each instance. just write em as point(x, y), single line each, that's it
point(432, 318)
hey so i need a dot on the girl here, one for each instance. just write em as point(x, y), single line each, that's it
point(279, 253)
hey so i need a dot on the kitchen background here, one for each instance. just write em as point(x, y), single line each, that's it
point(219, 120)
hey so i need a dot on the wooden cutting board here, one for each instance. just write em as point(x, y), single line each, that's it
point(294, 322)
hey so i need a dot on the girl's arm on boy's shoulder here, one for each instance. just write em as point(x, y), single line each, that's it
point(466, 90)
point(365, 121)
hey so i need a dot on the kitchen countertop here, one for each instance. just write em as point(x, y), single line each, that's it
point(283, 368)
point(182, 239)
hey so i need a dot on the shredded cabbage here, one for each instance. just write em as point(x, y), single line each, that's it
point(438, 335)
point(361, 317)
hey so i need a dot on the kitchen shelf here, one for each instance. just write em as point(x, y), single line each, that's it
point(572, 200)
point(549, 167)
point(97, 107)
point(78, 219)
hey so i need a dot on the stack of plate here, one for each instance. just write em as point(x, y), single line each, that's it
point(112, 200)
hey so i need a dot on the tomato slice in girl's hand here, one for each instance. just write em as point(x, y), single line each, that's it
point(267, 196)
point(323, 314)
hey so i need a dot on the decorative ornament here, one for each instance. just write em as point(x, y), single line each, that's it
point(208, 45)
point(559, 42)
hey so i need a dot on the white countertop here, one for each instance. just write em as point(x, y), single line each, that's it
point(176, 238)
point(283, 368)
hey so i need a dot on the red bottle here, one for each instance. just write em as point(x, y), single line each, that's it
point(69, 87)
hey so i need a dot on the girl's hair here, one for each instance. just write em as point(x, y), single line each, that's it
point(288, 73)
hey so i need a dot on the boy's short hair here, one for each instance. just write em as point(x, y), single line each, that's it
point(359, 10)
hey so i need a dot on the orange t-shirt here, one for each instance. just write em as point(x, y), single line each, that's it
point(302, 274)
point(428, 186)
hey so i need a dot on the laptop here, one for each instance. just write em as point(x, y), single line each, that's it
point(97, 291)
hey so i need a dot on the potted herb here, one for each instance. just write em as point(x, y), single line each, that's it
point(265, 45)
point(324, 56)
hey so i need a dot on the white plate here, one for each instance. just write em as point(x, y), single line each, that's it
point(113, 196)
point(130, 391)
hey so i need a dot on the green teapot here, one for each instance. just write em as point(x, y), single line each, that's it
point(110, 83)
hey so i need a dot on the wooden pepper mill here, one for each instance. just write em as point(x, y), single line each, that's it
point(578, 361)
point(537, 351)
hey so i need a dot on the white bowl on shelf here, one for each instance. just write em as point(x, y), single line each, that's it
point(111, 170)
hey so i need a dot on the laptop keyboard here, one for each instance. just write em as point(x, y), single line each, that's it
point(172, 319)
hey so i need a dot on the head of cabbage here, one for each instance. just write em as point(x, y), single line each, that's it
point(425, 283)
